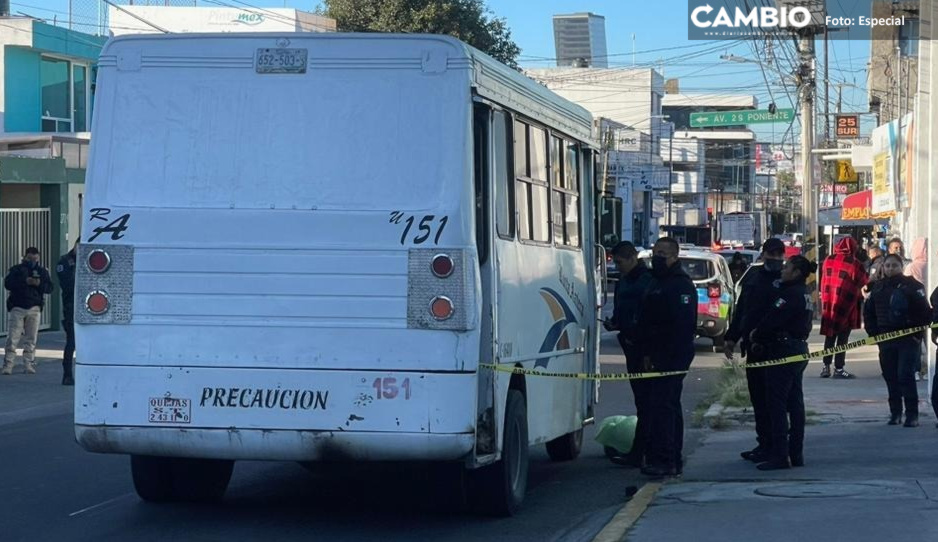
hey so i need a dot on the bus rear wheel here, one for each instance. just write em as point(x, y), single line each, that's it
point(565, 447)
point(166, 479)
point(499, 489)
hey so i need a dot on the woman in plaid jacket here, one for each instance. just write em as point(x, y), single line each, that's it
point(842, 279)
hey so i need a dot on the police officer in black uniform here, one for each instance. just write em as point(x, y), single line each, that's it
point(898, 302)
point(783, 331)
point(65, 270)
point(667, 325)
point(755, 298)
point(634, 278)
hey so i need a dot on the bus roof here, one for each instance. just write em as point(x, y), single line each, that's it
point(491, 79)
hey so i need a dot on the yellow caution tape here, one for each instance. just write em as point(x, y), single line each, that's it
point(868, 341)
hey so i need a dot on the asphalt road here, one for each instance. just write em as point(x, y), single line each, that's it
point(50, 489)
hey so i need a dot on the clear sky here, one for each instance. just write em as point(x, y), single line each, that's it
point(659, 30)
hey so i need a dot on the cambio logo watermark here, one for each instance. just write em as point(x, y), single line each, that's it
point(857, 20)
point(761, 17)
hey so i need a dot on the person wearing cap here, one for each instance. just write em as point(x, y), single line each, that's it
point(630, 289)
point(754, 301)
point(783, 331)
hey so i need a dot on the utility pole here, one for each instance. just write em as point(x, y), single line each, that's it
point(808, 197)
point(827, 92)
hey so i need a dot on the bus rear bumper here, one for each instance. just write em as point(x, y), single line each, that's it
point(275, 445)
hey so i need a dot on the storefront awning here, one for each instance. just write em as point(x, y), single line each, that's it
point(858, 207)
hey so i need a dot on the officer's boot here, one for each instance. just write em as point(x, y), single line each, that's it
point(67, 378)
point(911, 413)
point(895, 410)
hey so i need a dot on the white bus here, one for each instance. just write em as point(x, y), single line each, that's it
point(302, 247)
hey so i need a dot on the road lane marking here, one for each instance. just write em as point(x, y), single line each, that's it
point(619, 525)
point(100, 504)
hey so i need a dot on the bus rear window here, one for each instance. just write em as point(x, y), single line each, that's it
point(213, 141)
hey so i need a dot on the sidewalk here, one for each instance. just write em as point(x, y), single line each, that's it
point(24, 397)
point(863, 480)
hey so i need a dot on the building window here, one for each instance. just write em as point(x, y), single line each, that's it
point(908, 38)
point(56, 95)
point(65, 95)
point(80, 97)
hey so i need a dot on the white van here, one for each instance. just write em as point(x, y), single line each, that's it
point(302, 247)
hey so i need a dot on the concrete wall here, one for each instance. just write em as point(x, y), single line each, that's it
point(14, 32)
point(883, 75)
point(625, 96)
point(19, 196)
point(22, 90)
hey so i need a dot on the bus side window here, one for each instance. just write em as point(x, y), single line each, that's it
point(501, 158)
point(481, 156)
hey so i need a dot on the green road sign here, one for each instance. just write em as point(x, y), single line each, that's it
point(735, 118)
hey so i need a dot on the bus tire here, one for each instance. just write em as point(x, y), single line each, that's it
point(565, 447)
point(499, 489)
point(201, 480)
point(153, 477)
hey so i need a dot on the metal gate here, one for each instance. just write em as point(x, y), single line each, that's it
point(19, 230)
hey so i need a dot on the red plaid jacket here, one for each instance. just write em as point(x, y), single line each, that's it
point(842, 278)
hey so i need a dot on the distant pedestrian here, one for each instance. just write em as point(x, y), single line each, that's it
point(918, 267)
point(918, 270)
point(872, 265)
point(65, 270)
point(28, 282)
point(898, 302)
point(667, 325)
point(755, 299)
point(783, 331)
point(634, 279)
point(737, 266)
point(934, 340)
point(842, 280)
point(896, 246)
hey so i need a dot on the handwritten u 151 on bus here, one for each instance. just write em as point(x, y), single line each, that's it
point(425, 227)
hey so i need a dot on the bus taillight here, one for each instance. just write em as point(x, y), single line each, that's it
point(97, 302)
point(99, 261)
point(441, 307)
point(442, 266)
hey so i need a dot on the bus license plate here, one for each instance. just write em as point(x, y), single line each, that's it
point(170, 410)
point(280, 61)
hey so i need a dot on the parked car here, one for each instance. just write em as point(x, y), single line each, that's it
point(716, 295)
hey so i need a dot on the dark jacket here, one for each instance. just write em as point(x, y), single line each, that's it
point(65, 271)
point(896, 303)
point(629, 293)
point(934, 316)
point(667, 321)
point(785, 325)
point(23, 295)
point(755, 298)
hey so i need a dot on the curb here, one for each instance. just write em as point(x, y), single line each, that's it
point(619, 525)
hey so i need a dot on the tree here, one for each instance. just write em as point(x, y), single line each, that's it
point(468, 20)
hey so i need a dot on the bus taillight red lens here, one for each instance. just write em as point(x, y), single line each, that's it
point(442, 266)
point(441, 307)
point(99, 261)
point(97, 302)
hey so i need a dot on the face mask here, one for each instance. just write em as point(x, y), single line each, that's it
point(773, 266)
point(31, 264)
point(659, 264)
